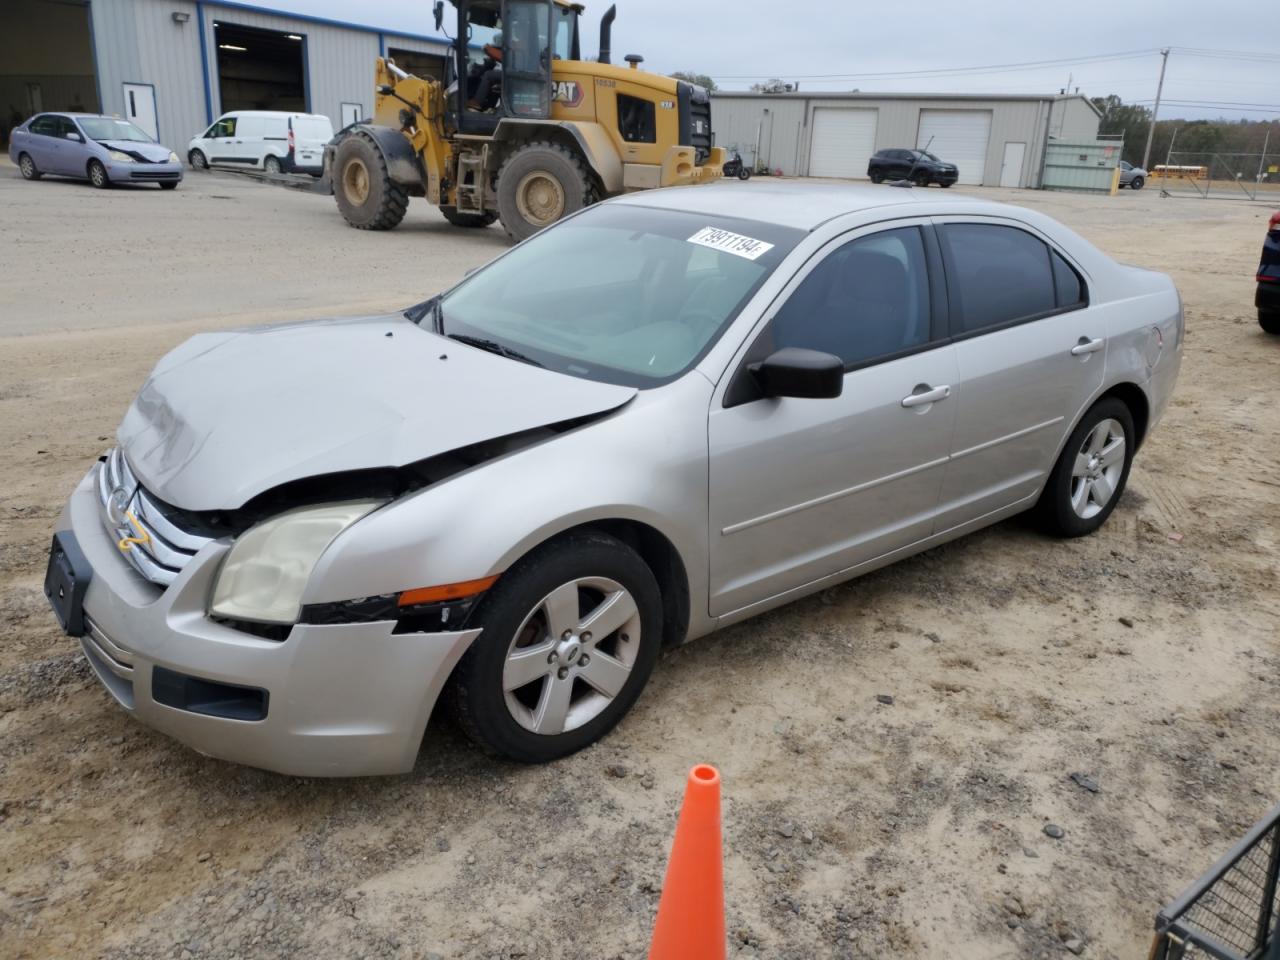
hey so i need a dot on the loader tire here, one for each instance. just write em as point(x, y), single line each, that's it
point(468, 219)
point(367, 196)
point(539, 184)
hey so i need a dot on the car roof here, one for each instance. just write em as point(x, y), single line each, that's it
point(806, 206)
point(273, 113)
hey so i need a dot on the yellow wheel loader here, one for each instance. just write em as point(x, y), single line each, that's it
point(521, 129)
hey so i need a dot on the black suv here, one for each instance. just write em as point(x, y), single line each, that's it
point(920, 167)
point(1268, 296)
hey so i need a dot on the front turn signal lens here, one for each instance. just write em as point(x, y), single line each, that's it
point(448, 591)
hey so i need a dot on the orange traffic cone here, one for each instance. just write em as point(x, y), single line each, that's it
point(690, 924)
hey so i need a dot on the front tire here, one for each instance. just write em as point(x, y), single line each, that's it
point(471, 220)
point(538, 185)
point(198, 160)
point(98, 175)
point(1136, 183)
point(1269, 322)
point(367, 196)
point(570, 636)
point(28, 167)
point(1092, 470)
point(271, 165)
point(171, 185)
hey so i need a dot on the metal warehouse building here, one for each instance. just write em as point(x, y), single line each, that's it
point(172, 66)
point(993, 140)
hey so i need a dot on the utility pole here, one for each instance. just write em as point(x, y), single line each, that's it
point(1151, 131)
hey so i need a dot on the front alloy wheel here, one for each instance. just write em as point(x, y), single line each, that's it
point(569, 637)
point(98, 175)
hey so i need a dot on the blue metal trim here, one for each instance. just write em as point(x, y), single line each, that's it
point(204, 67)
point(155, 104)
point(382, 44)
point(306, 78)
point(93, 52)
point(308, 18)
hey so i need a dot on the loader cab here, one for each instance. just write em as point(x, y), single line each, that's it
point(534, 33)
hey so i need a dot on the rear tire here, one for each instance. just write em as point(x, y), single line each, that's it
point(272, 165)
point(98, 175)
point(1072, 504)
point(28, 167)
point(473, 220)
point(508, 704)
point(1136, 183)
point(367, 196)
point(876, 175)
point(540, 184)
point(1270, 322)
point(744, 173)
point(198, 160)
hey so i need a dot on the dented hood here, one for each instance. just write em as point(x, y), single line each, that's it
point(227, 416)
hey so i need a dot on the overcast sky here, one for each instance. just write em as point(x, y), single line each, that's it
point(837, 45)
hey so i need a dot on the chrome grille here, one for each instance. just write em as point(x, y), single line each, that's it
point(156, 547)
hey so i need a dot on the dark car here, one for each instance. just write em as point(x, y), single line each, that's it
point(919, 166)
point(1268, 297)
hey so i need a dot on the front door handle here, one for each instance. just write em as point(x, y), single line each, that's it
point(924, 394)
point(1087, 346)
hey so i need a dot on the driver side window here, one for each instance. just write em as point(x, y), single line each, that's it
point(868, 300)
point(226, 127)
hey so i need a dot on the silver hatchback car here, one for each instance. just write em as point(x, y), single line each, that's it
point(665, 414)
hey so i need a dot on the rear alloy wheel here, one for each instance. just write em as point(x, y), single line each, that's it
point(1136, 183)
point(98, 175)
point(538, 185)
point(271, 164)
point(198, 160)
point(367, 196)
point(570, 636)
point(1091, 472)
point(28, 168)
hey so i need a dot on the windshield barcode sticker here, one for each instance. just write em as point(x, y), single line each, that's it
point(734, 243)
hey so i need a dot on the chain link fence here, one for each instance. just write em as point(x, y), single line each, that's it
point(1238, 176)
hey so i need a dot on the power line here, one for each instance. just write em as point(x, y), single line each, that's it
point(952, 71)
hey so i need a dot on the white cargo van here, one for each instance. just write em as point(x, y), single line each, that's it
point(270, 140)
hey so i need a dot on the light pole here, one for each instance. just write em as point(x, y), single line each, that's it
point(1151, 131)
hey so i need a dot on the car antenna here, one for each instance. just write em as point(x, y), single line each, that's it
point(906, 181)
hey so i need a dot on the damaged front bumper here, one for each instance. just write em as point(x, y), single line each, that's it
point(328, 700)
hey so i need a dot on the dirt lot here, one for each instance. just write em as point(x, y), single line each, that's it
point(854, 828)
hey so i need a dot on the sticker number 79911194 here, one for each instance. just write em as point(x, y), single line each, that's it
point(728, 242)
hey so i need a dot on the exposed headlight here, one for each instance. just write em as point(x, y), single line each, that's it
point(263, 576)
point(119, 155)
point(173, 157)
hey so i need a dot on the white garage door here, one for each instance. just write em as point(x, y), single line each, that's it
point(843, 141)
point(959, 137)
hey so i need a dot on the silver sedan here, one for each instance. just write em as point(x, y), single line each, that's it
point(668, 413)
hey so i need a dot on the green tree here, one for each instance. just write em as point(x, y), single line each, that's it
point(701, 79)
point(1127, 120)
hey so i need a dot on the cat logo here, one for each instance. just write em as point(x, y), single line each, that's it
point(568, 92)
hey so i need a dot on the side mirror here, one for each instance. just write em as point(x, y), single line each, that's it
point(796, 372)
point(72, 135)
point(439, 14)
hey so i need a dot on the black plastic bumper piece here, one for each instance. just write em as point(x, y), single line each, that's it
point(207, 697)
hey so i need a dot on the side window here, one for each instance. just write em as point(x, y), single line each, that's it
point(46, 125)
point(998, 274)
point(866, 300)
point(1067, 284)
point(637, 120)
point(64, 127)
point(226, 127)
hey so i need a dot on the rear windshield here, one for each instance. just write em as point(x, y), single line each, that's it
point(312, 128)
point(620, 293)
point(105, 128)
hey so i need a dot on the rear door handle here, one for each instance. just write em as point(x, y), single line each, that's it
point(1087, 346)
point(925, 394)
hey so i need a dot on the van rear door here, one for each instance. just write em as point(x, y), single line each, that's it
point(310, 134)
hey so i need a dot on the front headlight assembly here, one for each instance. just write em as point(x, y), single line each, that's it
point(120, 155)
point(264, 575)
point(173, 157)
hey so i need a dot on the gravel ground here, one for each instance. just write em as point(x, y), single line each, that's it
point(894, 750)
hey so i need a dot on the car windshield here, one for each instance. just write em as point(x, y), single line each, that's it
point(926, 155)
point(620, 293)
point(105, 128)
